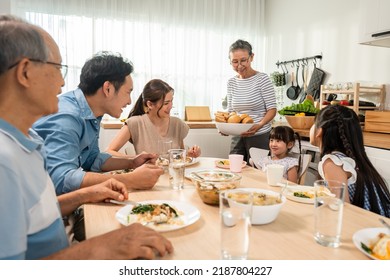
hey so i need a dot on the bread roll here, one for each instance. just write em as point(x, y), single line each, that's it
point(221, 113)
point(220, 118)
point(243, 116)
point(234, 119)
point(247, 120)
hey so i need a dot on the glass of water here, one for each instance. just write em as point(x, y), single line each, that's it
point(328, 212)
point(164, 145)
point(177, 162)
point(235, 208)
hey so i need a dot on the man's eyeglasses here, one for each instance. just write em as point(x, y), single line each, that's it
point(62, 67)
point(244, 61)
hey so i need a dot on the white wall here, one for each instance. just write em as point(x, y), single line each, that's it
point(303, 28)
point(5, 6)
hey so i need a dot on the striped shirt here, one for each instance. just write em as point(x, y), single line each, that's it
point(253, 96)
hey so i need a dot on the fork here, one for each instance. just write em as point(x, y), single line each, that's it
point(384, 223)
point(155, 223)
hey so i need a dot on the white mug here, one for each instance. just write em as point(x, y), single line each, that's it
point(235, 163)
point(274, 174)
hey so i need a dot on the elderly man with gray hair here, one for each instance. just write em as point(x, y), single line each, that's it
point(31, 215)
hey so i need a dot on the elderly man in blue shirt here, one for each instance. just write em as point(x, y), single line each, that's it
point(30, 212)
point(73, 158)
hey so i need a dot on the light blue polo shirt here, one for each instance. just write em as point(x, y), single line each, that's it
point(31, 226)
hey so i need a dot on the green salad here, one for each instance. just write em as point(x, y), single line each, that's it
point(306, 106)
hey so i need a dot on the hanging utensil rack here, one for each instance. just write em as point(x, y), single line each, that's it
point(304, 60)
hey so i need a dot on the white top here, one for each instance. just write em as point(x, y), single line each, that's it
point(348, 165)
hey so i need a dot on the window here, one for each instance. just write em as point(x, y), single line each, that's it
point(183, 42)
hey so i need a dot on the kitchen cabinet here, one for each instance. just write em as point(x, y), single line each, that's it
point(355, 93)
point(375, 22)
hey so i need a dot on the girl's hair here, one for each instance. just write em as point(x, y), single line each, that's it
point(287, 135)
point(341, 131)
point(154, 91)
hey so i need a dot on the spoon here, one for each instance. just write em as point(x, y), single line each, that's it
point(384, 223)
point(197, 175)
point(282, 191)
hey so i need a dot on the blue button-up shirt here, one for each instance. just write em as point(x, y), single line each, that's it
point(71, 142)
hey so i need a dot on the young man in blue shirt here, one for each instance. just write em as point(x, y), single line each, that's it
point(71, 135)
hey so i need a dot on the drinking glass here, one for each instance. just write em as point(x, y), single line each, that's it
point(235, 208)
point(328, 212)
point(177, 162)
point(164, 145)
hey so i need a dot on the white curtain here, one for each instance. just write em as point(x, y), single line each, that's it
point(183, 42)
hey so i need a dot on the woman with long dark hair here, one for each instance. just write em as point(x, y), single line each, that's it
point(150, 121)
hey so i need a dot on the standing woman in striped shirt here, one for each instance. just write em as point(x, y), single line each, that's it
point(250, 92)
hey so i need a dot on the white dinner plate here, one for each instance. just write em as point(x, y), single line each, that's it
point(290, 195)
point(367, 236)
point(190, 214)
point(192, 162)
point(226, 166)
point(290, 189)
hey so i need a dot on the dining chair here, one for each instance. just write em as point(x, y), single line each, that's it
point(305, 160)
point(257, 153)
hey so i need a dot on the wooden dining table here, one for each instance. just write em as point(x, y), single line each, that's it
point(289, 237)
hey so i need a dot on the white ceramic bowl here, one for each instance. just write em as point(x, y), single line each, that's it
point(233, 128)
point(265, 214)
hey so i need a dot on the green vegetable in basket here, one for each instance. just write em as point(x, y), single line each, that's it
point(307, 106)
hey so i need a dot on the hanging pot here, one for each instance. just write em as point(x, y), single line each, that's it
point(293, 91)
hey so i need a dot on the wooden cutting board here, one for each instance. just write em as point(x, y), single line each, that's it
point(197, 113)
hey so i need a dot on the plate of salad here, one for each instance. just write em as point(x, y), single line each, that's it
point(160, 215)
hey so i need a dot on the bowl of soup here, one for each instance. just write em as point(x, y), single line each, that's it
point(266, 205)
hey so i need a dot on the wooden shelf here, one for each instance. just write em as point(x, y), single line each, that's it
point(354, 93)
